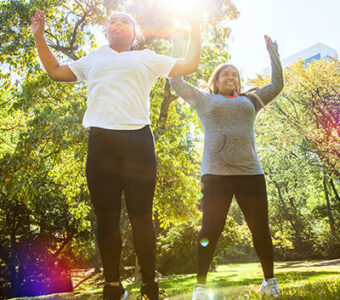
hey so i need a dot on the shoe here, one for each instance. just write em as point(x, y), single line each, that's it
point(270, 288)
point(199, 292)
point(149, 291)
point(114, 292)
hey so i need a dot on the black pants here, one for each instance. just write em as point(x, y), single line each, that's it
point(251, 196)
point(117, 161)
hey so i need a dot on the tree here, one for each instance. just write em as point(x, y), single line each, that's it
point(299, 137)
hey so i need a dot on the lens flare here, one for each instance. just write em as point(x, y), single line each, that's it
point(211, 295)
point(204, 242)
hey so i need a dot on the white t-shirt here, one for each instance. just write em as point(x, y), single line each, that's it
point(118, 86)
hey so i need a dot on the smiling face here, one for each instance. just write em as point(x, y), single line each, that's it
point(228, 81)
point(120, 31)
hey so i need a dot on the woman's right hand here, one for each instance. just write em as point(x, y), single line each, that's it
point(38, 23)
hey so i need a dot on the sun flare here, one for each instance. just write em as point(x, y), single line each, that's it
point(184, 7)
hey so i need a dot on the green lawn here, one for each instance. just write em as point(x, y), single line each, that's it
point(297, 280)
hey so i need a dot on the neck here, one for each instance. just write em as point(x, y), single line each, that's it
point(120, 47)
point(229, 93)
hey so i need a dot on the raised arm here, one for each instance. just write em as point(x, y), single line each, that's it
point(190, 93)
point(189, 64)
point(270, 91)
point(51, 64)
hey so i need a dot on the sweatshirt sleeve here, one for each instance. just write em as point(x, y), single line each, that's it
point(195, 97)
point(270, 91)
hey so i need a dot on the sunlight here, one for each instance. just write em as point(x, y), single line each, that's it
point(185, 5)
point(184, 8)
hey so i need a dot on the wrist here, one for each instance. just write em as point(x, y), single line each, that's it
point(39, 36)
point(195, 27)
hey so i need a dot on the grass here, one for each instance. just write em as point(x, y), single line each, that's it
point(297, 280)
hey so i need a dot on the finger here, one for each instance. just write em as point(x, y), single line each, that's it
point(37, 16)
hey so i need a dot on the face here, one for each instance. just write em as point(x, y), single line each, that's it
point(227, 81)
point(120, 30)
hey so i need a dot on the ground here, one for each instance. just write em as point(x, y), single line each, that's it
point(297, 280)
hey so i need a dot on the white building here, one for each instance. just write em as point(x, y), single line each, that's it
point(316, 52)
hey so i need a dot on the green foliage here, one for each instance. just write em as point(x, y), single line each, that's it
point(298, 137)
point(177, 247)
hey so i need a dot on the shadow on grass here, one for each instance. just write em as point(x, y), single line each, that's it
point(307, 264)
point(177, 286)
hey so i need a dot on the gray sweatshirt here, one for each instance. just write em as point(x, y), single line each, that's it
point(229, 142)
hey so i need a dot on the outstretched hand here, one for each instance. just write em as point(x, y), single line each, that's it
point(270, 43)
point(38, 23)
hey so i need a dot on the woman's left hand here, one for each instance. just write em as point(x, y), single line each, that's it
point(270, 43)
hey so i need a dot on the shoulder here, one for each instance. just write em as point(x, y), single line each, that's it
point(150, 54)
point(102, 50)
point(97, 52)
point(145, 53)
point(249, 97)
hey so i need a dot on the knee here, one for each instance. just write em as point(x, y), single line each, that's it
point(141, 221)
point(107, 222)
point(212, 231)
point(261, 234)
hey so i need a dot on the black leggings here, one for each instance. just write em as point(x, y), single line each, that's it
point(251, 196)
point(123, 160)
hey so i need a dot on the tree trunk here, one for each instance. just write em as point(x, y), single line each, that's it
point(334, 190)
point(138, 275)
point(97, 259)
point(329, 211)
point(13, 265)
point(168, 99)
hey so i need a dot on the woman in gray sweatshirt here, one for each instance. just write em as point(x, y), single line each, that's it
point(230, 165)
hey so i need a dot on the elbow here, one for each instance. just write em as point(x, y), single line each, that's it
point(195, 68)
point(281, 84)
point(174, 82)
point(53, 75)
point(54, 78)
point(194, 65)
point(191, 69)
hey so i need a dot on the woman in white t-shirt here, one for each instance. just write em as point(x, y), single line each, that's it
point(121, 154)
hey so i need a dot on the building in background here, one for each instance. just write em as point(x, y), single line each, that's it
point(316, 52)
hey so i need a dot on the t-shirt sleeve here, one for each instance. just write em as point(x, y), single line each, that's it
point(79, 68)
point(160, 65)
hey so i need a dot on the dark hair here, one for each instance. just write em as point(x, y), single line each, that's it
point(212, 83)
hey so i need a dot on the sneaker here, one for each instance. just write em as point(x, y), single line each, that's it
point(149, 291)
point(114, 292)
point(199, 292)
point(270, 288)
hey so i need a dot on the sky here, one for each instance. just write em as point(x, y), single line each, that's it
point(294, 24)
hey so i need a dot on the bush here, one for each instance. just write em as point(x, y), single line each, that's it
point(177, 247)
